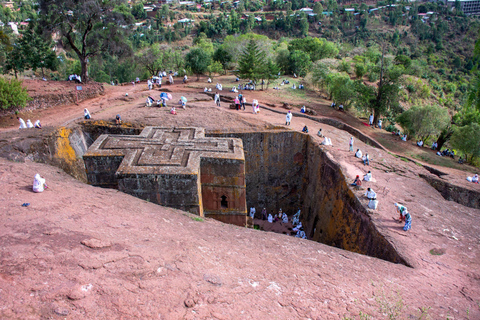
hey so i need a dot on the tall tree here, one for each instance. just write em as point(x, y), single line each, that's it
point(251, 62)
point(223, 56)
point(198, 61)
point(89, 27)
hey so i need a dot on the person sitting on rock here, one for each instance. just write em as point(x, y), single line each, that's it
point(209, 80)
point(404, 138)
point(172, 110)
point(340, 107)
point(205, 89)
point(461, 161)
point(368, 176)
point(319, 133)
point(358, 154)
point(37, 124)
point(39, 183)
point(326, 142)
point(305, 129)
point(118, 119)
point(434, 145)
point(22, 123)
point(333, 105)
point(371, 196)
point(29, 124)
point(303, 109)
point(475, 178)
point(270, 218)
point(357, 182)
point(300, 86)
point(420, 143)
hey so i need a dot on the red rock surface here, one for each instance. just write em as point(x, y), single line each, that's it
point(79, 252)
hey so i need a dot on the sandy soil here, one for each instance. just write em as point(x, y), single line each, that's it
point(80, 252)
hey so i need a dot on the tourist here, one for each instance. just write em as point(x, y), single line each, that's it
point(22, 123)
point(270, 218)
point(303, 109)
point(380, 123)
point(372, 197)
point(264, 214)
point(370, 120)
point(172, 110)
point(39, 183)
point(368, 176)
point(118, 119)
point(288, 118)
point(319, 133)
point(217, 99)
point(357, 182)
point(86, 114)
point(37, 124)
point(252, 212)
point(358, 154)
point(305, 129)
point(366, 159)
point(351, 144)
point(29, 124)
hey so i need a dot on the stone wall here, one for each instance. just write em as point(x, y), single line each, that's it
point(274, 169)
point(333, 215)
point(464, 196)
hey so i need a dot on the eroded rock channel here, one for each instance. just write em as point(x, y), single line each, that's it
point(288, 170)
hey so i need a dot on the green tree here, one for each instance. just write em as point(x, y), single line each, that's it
point(299, 63)
point(251, 62)
point(138, 12)
point(89, 27)
point(269, 72)
point(215, 67)
point(466, 139)
point(342, 88)
point(152, 59)
point(12, 94)
point(37, 51)
point(223, 56)
point(424, 122)
point(198, 61)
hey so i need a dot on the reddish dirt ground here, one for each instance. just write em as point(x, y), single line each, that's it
point(80, 252)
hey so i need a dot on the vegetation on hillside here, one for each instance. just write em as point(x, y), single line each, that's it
point(411, 63)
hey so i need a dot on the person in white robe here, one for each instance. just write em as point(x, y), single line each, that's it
point(358, 154)
point(368, 176)
point(22, 123)
point(37, 124)
point(86, 114)
point(298, 227)
point(252, 212)
point(270, 218)
point(39, 183)
point(284, 218)
point(372, 198)
point(29, 124)
point(288, 118)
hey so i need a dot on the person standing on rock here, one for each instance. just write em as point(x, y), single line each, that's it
point(370, 120)
point(252, 212)
point(288, 118)
point(351, 144)
point(270, 218)
point(217, 99)
point(264, 214)
point(404, 216)
point(372, 198)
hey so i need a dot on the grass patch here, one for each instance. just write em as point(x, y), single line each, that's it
point(197, 219)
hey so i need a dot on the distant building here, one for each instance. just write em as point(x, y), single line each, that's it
point(469, 7)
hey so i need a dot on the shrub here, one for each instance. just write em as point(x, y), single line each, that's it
point(12, 94)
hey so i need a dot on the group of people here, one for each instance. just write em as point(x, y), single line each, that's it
point(358, 154)
point(473, 179)
point(74, 77)
point(446, 153)
point(282, 217)
point(28, 124)
point(240, 102)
